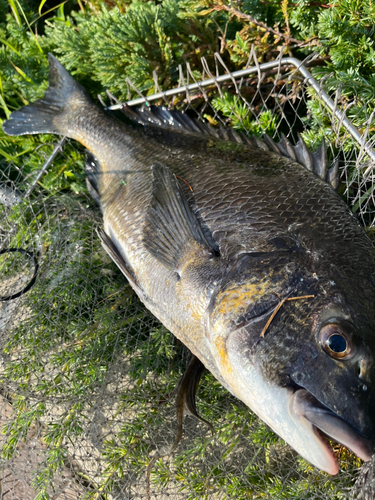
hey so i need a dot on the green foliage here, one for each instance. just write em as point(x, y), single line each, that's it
point(147, 37)
point(241, 118)
point(304, 16)
point(347, 31)
point(347, 34)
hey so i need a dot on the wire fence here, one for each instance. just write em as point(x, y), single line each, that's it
point(88, 375)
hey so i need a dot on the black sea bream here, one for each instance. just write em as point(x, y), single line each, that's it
point(249, 258)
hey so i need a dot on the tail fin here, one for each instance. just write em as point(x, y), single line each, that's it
point(43, 115)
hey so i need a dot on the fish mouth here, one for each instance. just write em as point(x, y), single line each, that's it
point(325, 422)
point(291, 411)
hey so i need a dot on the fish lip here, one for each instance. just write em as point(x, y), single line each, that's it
point(326, 422)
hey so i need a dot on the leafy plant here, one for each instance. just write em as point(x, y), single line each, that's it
point(241, 117)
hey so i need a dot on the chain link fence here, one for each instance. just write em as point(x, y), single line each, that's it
point(89, 376)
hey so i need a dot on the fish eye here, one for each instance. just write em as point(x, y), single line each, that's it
point(336, 342)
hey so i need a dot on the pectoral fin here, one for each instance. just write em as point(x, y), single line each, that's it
point(172, 228)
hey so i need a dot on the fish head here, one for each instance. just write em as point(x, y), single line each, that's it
point(301, 357)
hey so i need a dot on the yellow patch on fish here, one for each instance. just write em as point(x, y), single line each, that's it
point(221, 350)
point(236, 300)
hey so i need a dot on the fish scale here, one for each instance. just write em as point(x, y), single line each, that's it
point(253, 209)
point(250, 258)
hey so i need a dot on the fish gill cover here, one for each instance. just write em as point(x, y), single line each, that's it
point(88, 375)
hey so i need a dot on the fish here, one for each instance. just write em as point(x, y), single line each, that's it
point(243, 249)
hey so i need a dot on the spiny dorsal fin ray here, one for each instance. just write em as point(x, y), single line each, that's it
point(172, 227)
point(272, 146)
point(303, 154)
point(320, 161)
point(161, 116)
point(333, 175)
point(288, 149)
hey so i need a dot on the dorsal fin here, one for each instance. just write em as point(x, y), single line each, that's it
point(160, 116)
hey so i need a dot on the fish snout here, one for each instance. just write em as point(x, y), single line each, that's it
point(322, 418)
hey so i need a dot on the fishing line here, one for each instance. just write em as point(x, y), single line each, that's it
point(33, 279)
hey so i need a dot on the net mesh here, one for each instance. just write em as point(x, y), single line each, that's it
point(89, 376)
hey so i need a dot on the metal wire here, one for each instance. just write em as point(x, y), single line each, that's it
point(285, 61)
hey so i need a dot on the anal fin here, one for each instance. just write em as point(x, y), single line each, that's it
point(187, 390)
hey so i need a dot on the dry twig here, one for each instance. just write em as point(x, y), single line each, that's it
point(278, 308)
point(260, 24)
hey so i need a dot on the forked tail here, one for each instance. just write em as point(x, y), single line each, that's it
point(52, 113)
